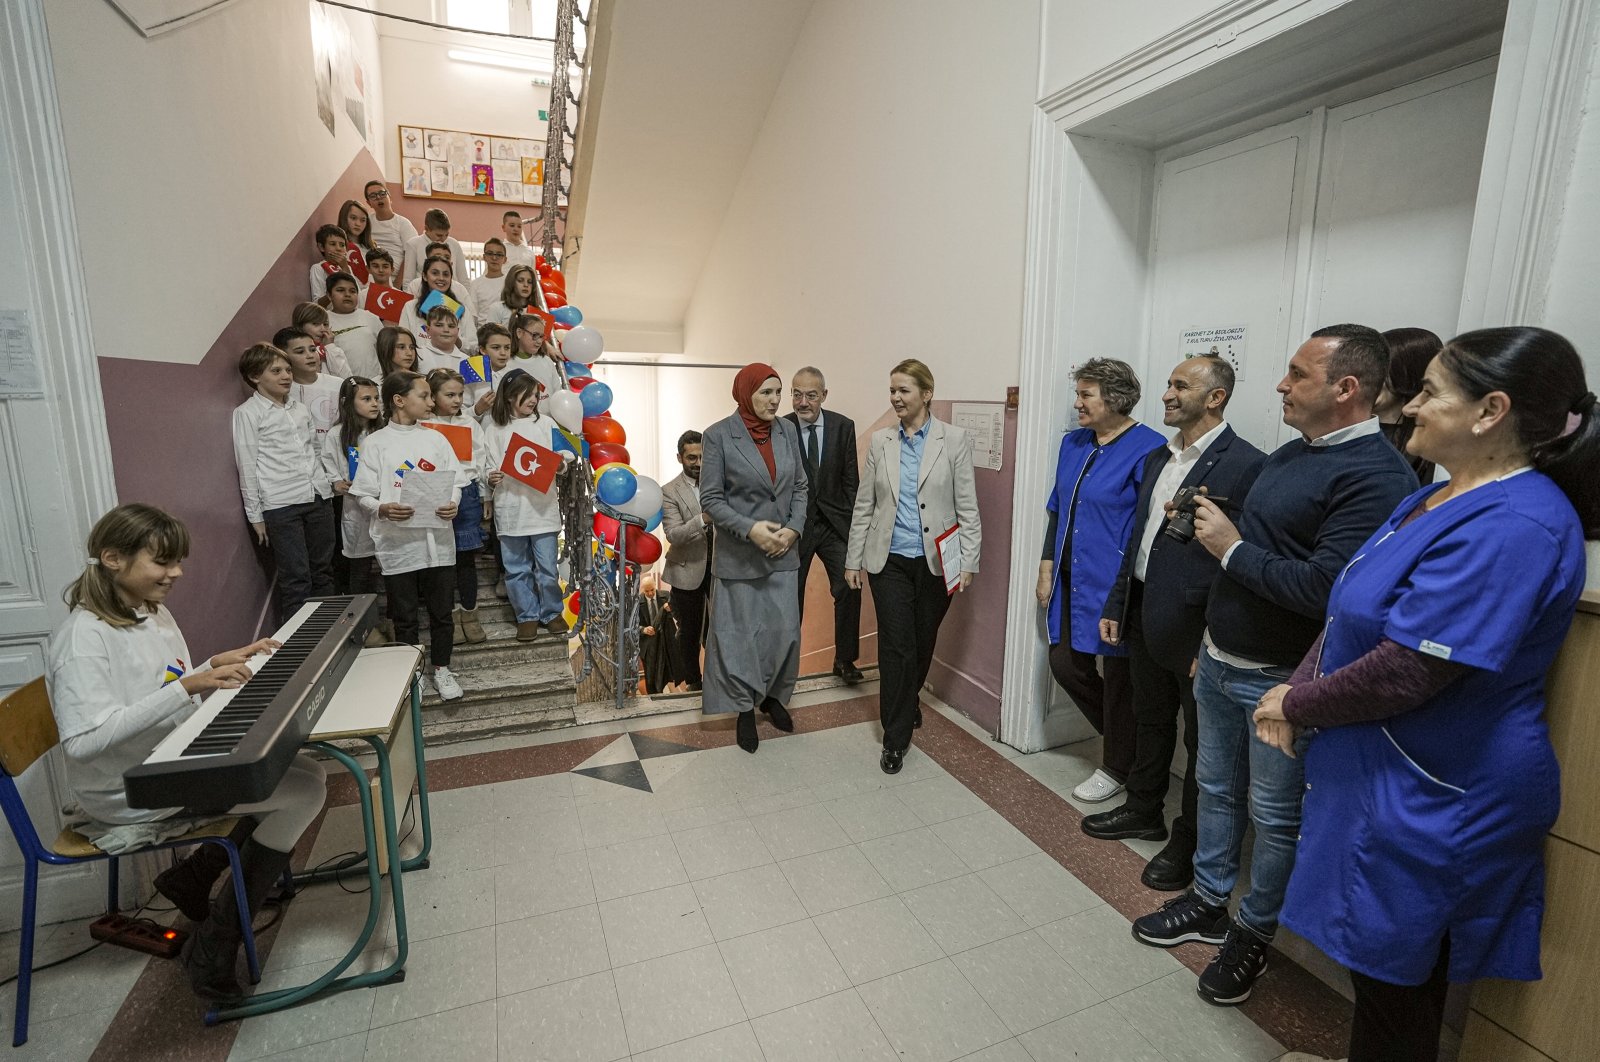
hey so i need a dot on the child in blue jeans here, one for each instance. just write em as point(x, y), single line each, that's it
point(527, 521)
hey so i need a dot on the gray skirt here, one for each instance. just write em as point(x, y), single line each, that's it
point(753, 645)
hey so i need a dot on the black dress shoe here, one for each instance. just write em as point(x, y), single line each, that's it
point(780, 715)
point(1123, 822)
point(891, 761)
point(916, 718)
point(749, 740)
point(849, 672)
point(1171, 870)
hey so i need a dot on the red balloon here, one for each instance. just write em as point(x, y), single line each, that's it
point(553, 282)
point(578, 383)
point(557, 277)
point(542, 267)
point(643, 547)
point(607, 529)
point(554, 300)
point(575, 601)
point(602, 454)
point(604, 430)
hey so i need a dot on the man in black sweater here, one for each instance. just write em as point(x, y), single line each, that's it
point(1315, 502)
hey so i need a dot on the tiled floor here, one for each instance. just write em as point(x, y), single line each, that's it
point(796, 904)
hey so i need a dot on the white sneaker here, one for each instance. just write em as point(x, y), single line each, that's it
point(450, 690)
point(1100, 786)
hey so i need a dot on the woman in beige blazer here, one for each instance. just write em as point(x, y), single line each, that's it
point(917, 485)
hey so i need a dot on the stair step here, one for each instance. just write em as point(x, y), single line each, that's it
point(450, 732)
point(503, 646)
point(508, 681)
point(499, 705)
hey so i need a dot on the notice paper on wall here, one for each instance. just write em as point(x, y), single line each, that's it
point(985, 423)
point(1226, 342)
point(20, 374)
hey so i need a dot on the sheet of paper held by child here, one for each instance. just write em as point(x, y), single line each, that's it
point(425, 492)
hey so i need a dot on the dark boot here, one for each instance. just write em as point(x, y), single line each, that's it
point(749, 740)
point(188, 883)
point(212, 951)
point(779, 714)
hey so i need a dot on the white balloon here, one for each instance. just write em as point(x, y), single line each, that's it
point(567, 409)
point(582, 344)
point(645, 501)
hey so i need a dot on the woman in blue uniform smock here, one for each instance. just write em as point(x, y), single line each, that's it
point(1090, 516)
point(1430, 778)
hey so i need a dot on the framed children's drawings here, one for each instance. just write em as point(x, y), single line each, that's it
point(470, 167)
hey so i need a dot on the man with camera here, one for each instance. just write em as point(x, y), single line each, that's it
point(1157, 606)
point(1316, 500)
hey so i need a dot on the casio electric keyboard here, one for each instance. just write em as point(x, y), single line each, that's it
point(236, 747)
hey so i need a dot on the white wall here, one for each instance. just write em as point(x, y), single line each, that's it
point(1571, 307)
point(423, 86)
point(881, 211)
point(1080, 36)
point(195, 156)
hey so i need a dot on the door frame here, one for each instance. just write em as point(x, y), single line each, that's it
point(1538, 98)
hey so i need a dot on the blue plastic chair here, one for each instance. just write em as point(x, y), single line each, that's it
point(27, 732)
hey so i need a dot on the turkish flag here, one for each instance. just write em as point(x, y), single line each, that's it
point(528, 462)
point(387, 302)
point(358, 264)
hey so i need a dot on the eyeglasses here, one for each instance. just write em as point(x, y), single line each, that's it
point(494, 254)
point(378, 193)
point(809, 396)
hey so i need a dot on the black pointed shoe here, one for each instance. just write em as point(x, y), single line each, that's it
point(850, 673)
point(891, 761)
point(749, 740)
point(1122, 823)
point(779, 714)
point(1171, 869)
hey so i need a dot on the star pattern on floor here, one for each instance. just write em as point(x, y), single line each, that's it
point(637, 761)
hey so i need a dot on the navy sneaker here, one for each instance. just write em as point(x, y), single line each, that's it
point(1181, 920)
point(1231, 975)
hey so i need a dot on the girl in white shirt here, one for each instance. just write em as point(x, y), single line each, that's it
point(360, 413)
point(539, 357)
point(397, 351)
point(448, 391)
point(417, 562)
point(438, 275)
point(520, 290)
point(121, 679)
point(312, 319)
point(526, 521)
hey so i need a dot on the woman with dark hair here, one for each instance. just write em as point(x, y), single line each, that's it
point(1089, 518)
point(1430, 778)
point(753, 487)
point(1410, 352)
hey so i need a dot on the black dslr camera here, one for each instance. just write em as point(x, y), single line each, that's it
point(1180, 525)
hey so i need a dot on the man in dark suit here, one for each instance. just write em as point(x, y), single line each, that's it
point(1158, 608)
point(828, 444)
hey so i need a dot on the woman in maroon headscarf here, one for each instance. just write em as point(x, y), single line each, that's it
point(753, 487)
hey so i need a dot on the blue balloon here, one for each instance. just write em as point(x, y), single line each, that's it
point(654, 521)
point(569, 316)
point(596, 399)
point(615, 486)
point(576, 368)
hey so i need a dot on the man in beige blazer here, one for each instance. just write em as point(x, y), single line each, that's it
point(689, 547)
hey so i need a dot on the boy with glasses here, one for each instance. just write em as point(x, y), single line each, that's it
point(390, 231)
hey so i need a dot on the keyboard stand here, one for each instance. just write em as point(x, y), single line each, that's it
point(391, 676)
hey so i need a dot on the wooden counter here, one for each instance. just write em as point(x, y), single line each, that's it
point(1556, 1019)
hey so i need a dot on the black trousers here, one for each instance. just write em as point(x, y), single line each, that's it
point(1107, 702)
point(1158, 696)
point(467, 578)
point(690, 605)
point(911, 602)
point(820, 540)
point(433, 587)
point(363, 574)
point(301, 538)
point(1399, 1023)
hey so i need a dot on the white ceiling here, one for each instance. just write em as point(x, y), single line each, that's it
point(686, 89)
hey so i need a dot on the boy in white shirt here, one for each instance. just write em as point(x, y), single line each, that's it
point(518, 252)
point(316, 390)
point(272, 444)
point(486, 289)
point(334, 246)
point(355, 330)
point(390, 231)
point(435, 229)
point(441, 349)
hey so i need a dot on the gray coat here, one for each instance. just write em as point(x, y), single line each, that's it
point(736, 491)
point(686, 534)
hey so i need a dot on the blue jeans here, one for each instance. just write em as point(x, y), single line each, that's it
point(1240, 779)
point(530, 562)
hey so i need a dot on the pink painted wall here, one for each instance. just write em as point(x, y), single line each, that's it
point(172, 442)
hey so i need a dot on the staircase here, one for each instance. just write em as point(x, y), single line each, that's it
point(509, 687)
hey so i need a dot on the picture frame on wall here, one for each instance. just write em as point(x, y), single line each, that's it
point(468, 166)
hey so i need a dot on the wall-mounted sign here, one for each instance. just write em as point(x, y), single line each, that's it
point(1226, 342)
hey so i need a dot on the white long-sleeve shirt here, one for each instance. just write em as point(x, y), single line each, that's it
point(467, 336)
point(518, 508)
point(355, 523)
point(114, 695)
point(413, 260)
point(393, 235)
point(430, 357)
point(273, 448)
point(384, 455)
point(357, 334)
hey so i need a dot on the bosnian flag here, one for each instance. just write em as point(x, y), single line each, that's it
point(387, 302)
point(358, 264)
point(476, 370)
point(439, 298)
